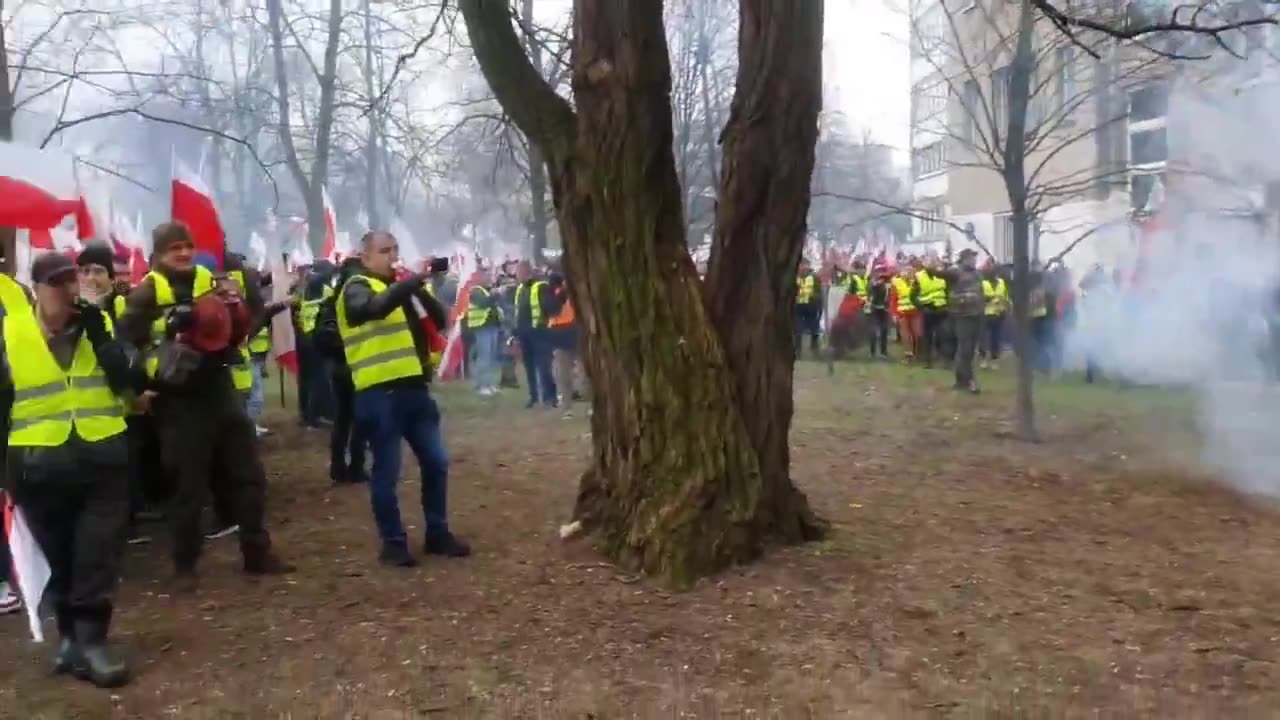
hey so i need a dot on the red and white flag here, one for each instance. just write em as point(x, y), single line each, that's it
point(330, 250)
point(193, 206)
point(284, 345)
point(30, 568)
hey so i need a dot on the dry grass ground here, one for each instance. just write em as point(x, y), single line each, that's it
point(967, 575)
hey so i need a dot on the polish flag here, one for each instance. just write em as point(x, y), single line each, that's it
point(39, 195)
point(451, 365)
point(284, 345)
point(330, 249)
point(193, 206)
point(30, 568)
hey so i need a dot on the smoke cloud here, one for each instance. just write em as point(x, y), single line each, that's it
point(1200, 318)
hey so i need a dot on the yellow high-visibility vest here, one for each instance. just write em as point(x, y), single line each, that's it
point(858, 285)
point(933, 290)
point(260, 344)
point(997, 295)
point(902, 289)
point(165, 299)
point(535, 302)
point(808, 287)
point(13, 298)
point(478, 316)
point(48, 402)
point(377, 351)
point(241, 373)
point(310, 310)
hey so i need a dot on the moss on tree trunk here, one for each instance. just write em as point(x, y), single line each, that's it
point(688, 474)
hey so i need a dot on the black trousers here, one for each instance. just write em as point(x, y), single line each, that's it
point(79, 516)
point(209, 439)
point(147, 482)
point(346, 446)
point(315, 393)
point(878, 338)
point(932, 345)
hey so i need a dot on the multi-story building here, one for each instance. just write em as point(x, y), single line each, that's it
point(1109, 139)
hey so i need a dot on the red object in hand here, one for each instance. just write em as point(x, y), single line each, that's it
point(211, 327)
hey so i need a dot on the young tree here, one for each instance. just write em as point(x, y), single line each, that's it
point(310, 176)
point(692, 385)
point(1017, 106)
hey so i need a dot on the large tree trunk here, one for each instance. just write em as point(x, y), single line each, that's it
point(675, 487)
point(760, 232)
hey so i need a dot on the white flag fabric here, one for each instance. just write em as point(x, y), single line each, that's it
point(30, 568)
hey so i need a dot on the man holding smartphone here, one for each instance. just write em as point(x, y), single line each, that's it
point(387, 349)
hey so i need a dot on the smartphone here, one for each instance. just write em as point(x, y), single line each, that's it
point(439, 265)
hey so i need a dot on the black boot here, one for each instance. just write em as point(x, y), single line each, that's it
point(68, 648)
point(98, 663)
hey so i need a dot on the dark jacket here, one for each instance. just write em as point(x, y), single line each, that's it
point(964, 291)
point(524, 310)
point(363, 305)
point(141, 310)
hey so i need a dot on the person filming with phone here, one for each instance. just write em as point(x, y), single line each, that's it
point(382, 325)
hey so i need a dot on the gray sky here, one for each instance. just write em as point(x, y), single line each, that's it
point(867, 67)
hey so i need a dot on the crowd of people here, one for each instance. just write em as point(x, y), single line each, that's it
point(126, 404)
point(937, 311)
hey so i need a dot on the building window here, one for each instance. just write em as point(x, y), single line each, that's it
point(931, 222)
point(1064, 81)
point(971, 106)
point(1004, 237)
point(1149, 102)
point(1148, 147)
point(1000, 95)
point(929, 159)
point(1146, 192)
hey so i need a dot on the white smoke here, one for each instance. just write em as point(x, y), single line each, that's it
point(1199, 319)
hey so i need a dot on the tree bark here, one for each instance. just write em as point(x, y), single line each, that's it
point(675, 487)
point(1021, 68)
point(8, 237)
point(310, 180)
point(371, 199)
point(537, 165)
point(764, 195)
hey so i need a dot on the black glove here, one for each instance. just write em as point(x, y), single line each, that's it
point(181, 319)
point(94, 323)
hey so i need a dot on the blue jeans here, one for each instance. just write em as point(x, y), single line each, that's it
point(535, 353)
point(486, 347)
point(385, 416)
point(258, 392)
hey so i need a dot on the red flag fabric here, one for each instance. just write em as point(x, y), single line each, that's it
point(284, 344)
point(24, 205)
point(330, 250)
point(192, 205)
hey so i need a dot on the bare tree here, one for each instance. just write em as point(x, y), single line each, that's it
point(309, 173)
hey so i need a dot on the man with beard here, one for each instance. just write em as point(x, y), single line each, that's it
point(200, 415)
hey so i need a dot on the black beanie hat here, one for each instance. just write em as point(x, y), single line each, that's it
point(98, 254)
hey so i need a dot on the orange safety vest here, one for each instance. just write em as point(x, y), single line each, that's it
point(565, 317)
